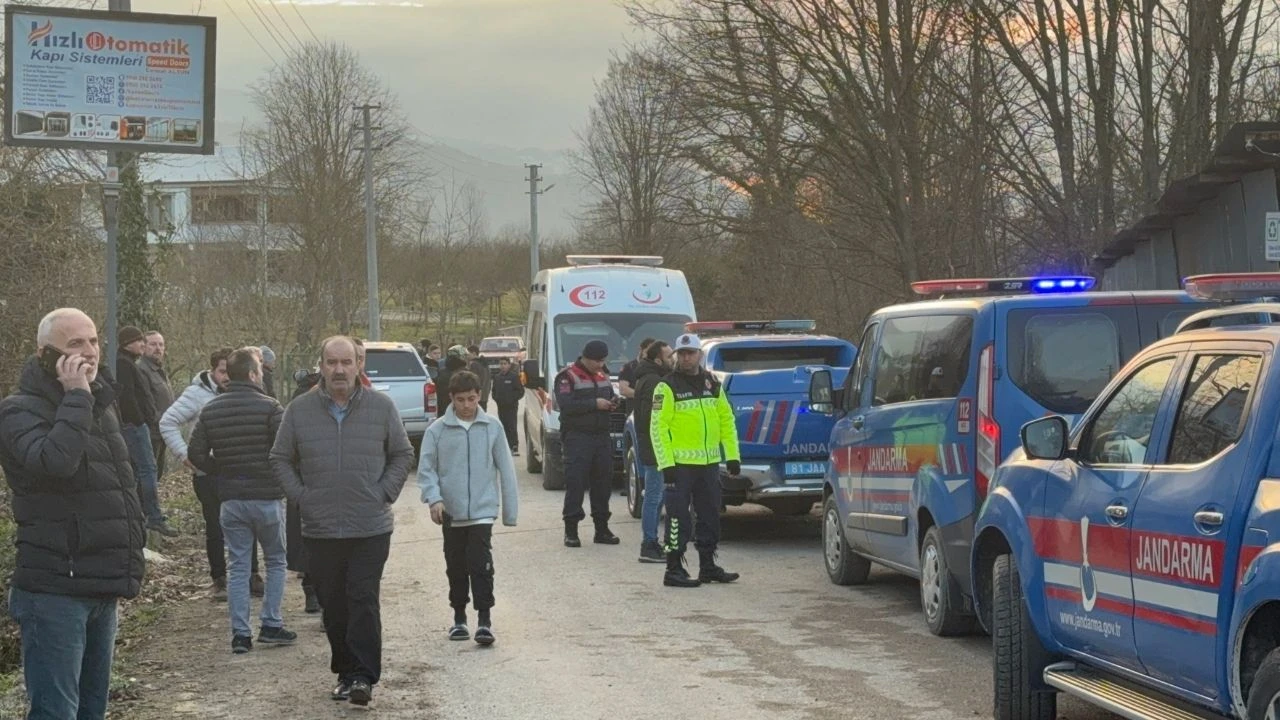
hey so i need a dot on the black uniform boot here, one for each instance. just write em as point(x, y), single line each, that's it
point(676, 575)
point(709, 571)
point(603, 536)
point(571, 534)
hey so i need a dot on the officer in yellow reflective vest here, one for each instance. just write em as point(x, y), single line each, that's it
point(692, 428)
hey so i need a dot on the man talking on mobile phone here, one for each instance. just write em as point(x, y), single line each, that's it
point(586, 399)
point(79, 522)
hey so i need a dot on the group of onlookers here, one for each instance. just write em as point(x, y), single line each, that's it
point(311, 484)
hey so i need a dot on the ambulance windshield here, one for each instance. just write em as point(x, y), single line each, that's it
point(622, 332)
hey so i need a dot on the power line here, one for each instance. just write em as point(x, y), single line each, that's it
point(305, 24)
point(270, 28)
point(287, 26)
point(257, 42)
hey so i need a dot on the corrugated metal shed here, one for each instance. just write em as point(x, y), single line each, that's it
point(1212, 221)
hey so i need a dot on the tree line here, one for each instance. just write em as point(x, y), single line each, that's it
point(817, 156)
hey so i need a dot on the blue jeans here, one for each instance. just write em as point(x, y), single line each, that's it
point(143, 457)
point(67, 645)
point(242, 522)
point(652, 507)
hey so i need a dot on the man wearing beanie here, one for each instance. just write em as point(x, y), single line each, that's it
point(137, 415)
point(268, 370)
point(585, 396)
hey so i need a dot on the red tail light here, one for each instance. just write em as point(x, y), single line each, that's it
point(987, 443)
point(429, 398)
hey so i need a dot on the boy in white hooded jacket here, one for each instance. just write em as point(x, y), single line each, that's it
point(465, 460)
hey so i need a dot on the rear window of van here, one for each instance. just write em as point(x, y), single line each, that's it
point(779, 357)
point(1064, 358)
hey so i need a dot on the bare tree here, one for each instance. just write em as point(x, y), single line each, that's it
point(632, 157)
point(307, 154)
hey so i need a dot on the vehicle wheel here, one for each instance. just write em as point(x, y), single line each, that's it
point(935, 590)
point(635, 486)
point(844, 567)
point(531, 463)
point(552, 468)
point(1264, 694)
point(1019, 659)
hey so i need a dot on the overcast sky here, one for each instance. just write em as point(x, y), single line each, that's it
point(515, 73)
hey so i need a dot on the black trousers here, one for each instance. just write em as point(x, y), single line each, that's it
point(211, 508)
point(161, 450)
point(468, 561)
point(701, 485)
point(507, 413)
point(588, 466)
point(295, 548)
point(348, 575)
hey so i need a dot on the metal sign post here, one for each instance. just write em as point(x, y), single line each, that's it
point(111, 218)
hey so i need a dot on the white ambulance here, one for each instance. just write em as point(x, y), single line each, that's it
point(620, 299)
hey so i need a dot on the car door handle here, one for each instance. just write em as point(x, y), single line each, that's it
point(858, 422)
point(1208, 517)
point(1117, 512)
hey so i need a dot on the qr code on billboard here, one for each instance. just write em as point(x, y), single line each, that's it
point(100, 89)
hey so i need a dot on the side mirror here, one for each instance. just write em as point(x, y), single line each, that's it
point(821, 396)
point(532, 378)
point(1045, 439)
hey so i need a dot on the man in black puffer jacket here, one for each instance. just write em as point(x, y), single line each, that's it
point(80, 525)
point(654, 365)
point(232, 442)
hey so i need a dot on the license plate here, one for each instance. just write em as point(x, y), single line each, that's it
point(805, 469)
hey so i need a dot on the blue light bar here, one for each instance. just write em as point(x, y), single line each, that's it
point(1066, 284)
point(1004, 286)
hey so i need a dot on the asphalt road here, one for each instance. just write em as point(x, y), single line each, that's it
point(592, 633)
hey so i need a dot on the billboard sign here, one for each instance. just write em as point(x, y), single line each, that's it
point(86, 79)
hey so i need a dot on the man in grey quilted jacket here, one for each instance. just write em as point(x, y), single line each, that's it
point(343, 456)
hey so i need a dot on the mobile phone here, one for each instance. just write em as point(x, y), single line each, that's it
point(49, 356)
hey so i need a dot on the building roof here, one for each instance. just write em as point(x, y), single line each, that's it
point(1232, 159)
point(227, 164)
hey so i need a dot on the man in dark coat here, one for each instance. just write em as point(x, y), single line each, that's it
point(653, 366)
point(481, 370)
point(80, 529)
point(455, 360)
point(586, 400)
point(152, 368)
point(137, 416)
point(232, 443)
point(507, 391)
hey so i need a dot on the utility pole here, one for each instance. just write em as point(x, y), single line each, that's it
point(111, 218)
point(370, 224)
point(533, 194)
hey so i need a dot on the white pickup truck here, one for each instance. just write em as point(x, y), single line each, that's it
point(396, 369)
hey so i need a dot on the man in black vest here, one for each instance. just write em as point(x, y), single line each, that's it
point(232, 443)
point(80, 525)
point(585, 397)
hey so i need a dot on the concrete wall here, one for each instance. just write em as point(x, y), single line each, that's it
point(1223, 234)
